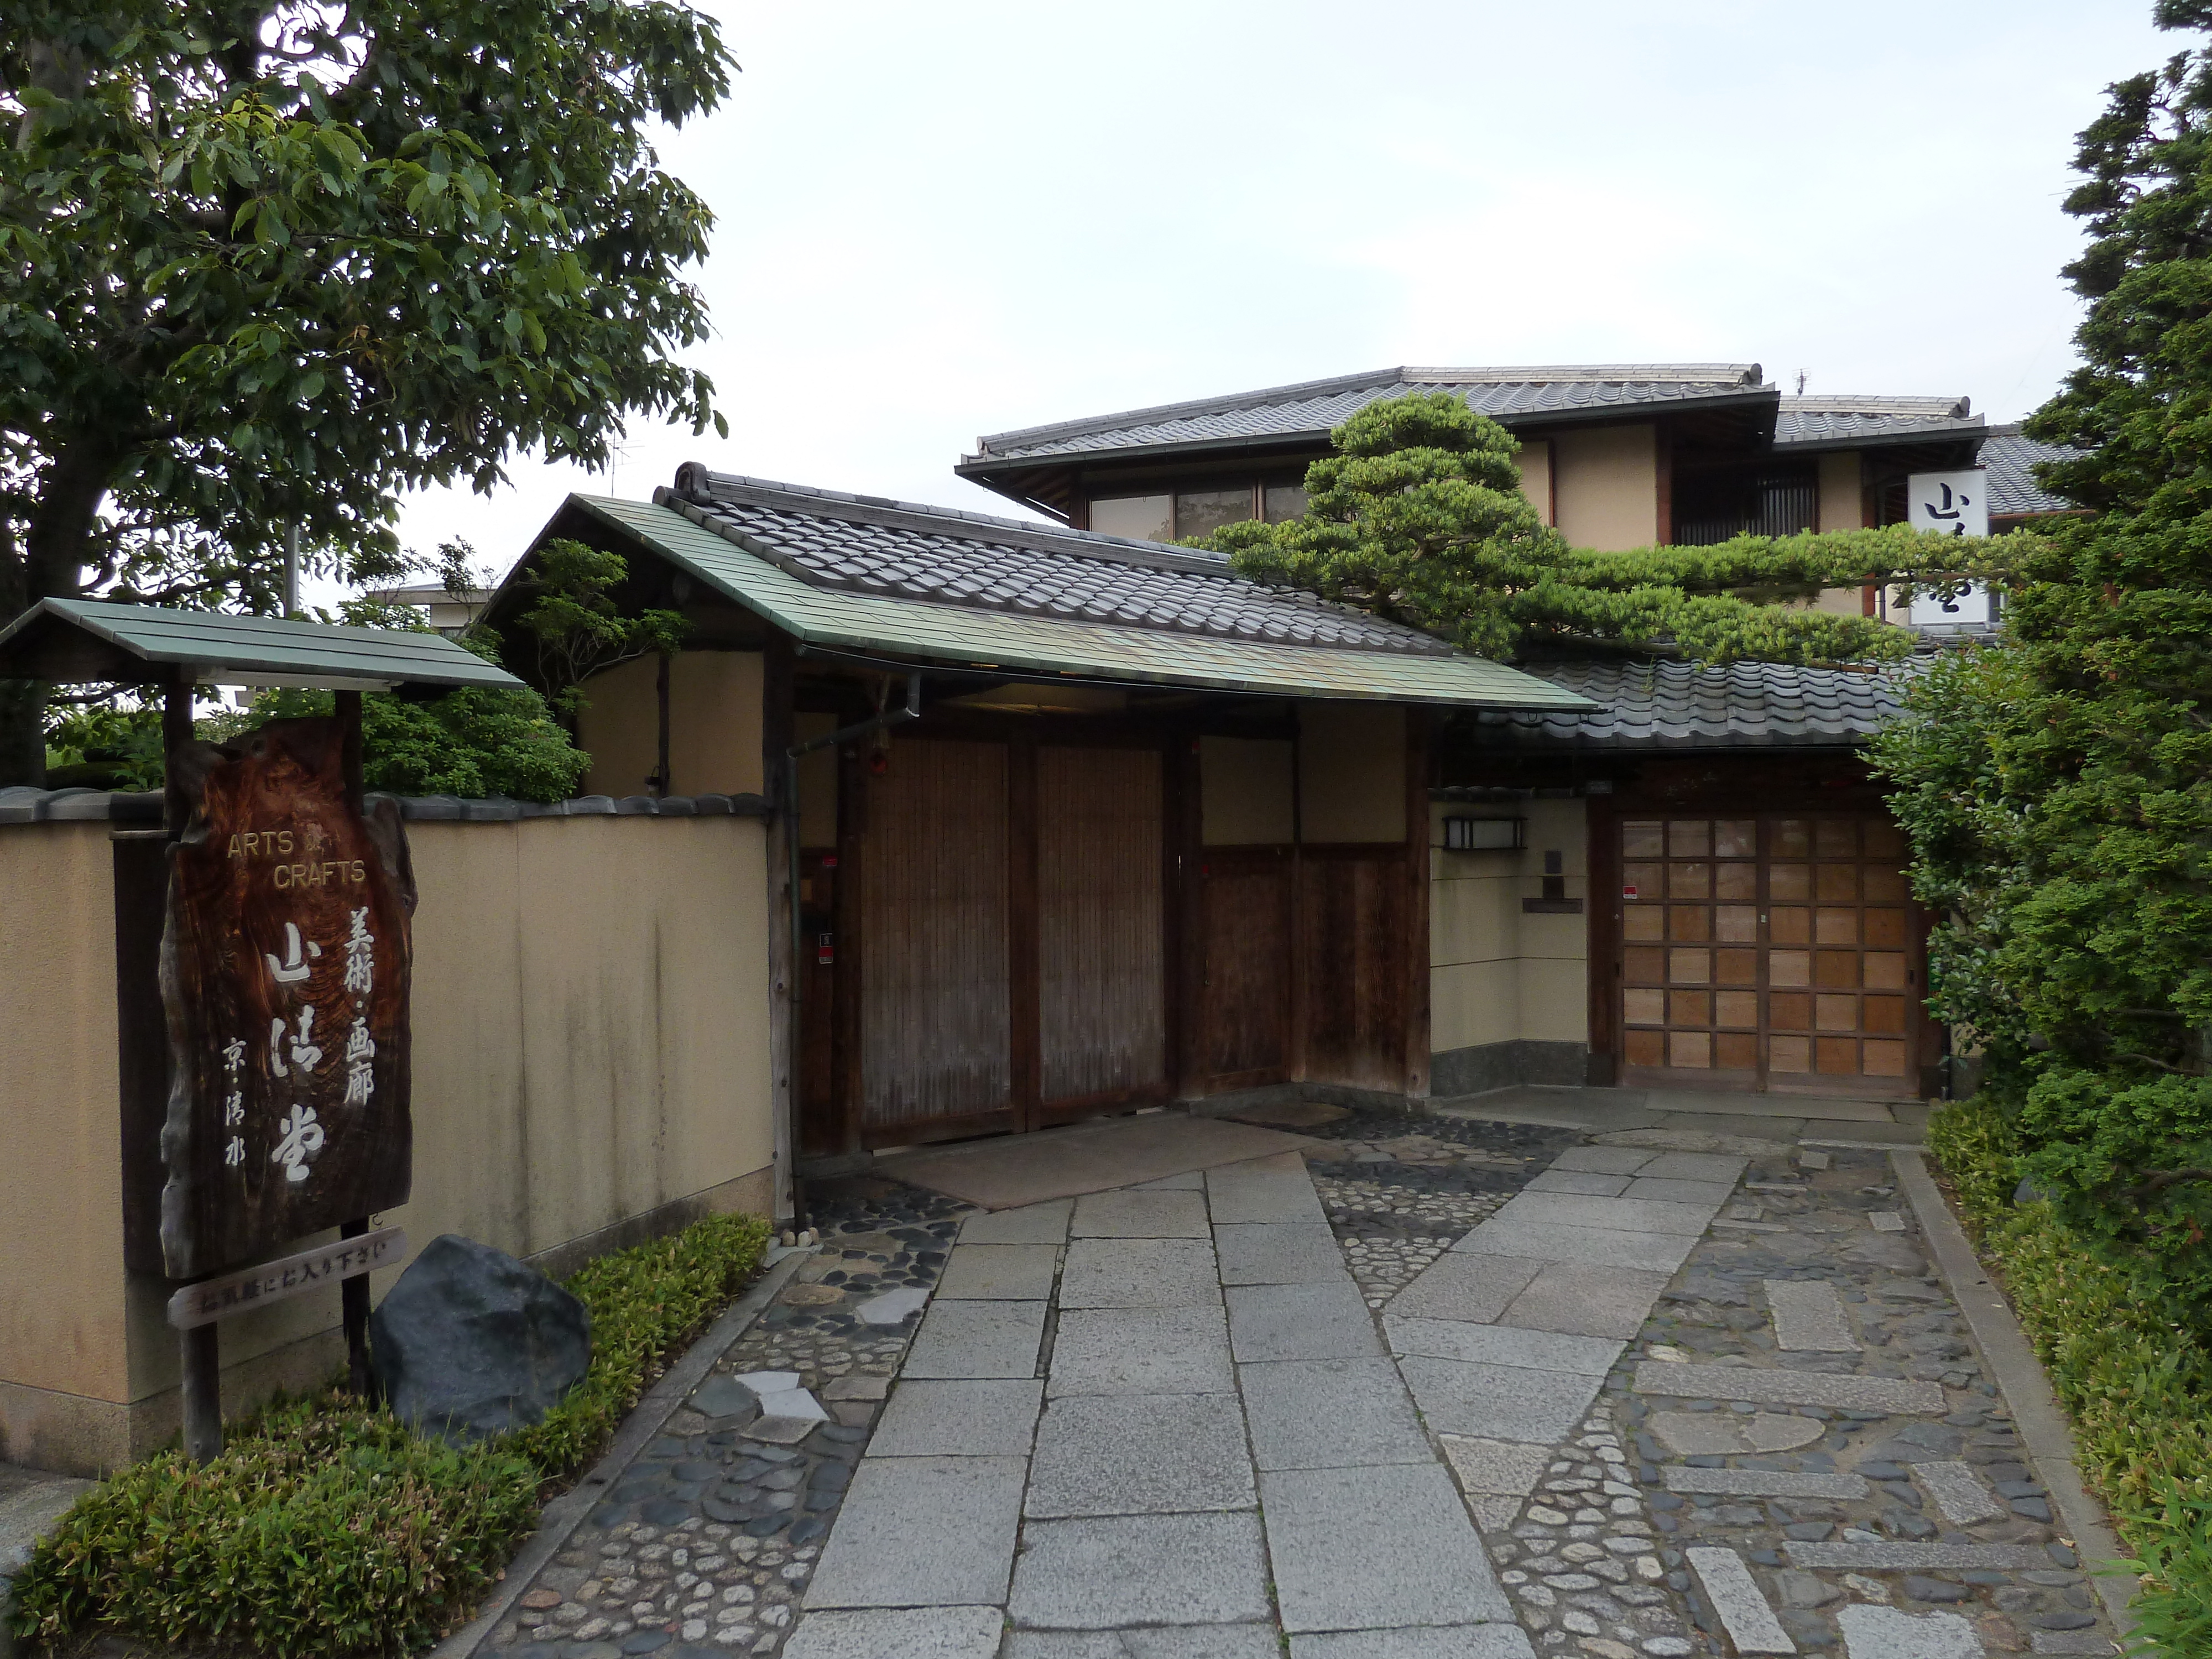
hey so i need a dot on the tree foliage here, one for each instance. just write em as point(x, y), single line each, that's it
point(2058, 786)
point(269, 264)
point(1419, 516)
point(579, 625)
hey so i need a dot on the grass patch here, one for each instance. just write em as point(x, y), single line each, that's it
point(328, 1528)
point(2132, 1370)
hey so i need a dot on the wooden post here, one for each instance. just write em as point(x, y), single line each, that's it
point(660, 694)
point(777, 783)
point(200, 1350)
point(352, 1293)
point(1419, 722)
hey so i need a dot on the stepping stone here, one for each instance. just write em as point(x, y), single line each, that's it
point(1694, 1166)
point(1808, 1316)
point(859, 1386)
point(781, 1430)
point(892, 1307)
point(724, 1395)
point(1917, 1558)
point(794, 1403)
point(1032, 1223)
point(1752, 1384)
point(1735, 1597)
point(1294, 1114)
point(1763, 1483)
point(910, 1632)
point(767, 1382)
point(1886, 1221)
point(1710, 1434)
point(1806, 1159)
point(1958, 1493)
point(1667, 1191)
point(1886, 1633)
point(2069, 1641)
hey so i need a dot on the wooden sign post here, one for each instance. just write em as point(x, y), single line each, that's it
point(285, 960)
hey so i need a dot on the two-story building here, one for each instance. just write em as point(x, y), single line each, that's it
point(1697, 886)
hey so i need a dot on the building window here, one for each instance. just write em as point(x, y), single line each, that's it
point(1775, 502)
point(1188, 513)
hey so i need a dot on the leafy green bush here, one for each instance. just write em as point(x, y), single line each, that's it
point(2133, 1371)
point(328, 1528)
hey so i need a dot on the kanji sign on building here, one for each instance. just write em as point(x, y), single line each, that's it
point(284, 977)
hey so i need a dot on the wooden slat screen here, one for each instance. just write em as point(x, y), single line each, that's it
point(1102, 1003)
point(934, 1013)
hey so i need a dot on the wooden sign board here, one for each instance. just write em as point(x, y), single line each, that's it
point(272, 1281)
point(284, 979)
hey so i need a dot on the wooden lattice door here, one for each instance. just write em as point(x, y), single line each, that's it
point(1767, 952)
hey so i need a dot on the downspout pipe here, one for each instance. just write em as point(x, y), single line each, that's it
point(911, 711)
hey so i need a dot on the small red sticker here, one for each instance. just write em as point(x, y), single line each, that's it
point(1628, 892)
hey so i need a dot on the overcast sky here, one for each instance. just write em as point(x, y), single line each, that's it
point(937, 221)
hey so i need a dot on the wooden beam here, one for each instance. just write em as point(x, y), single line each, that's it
point(1024, 1013)
point(1416, 890)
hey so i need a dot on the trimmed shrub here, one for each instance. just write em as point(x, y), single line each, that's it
point(2133, 1371)
point(326, 1529)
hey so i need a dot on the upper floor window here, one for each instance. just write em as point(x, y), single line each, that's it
point(1162, 517)
point(1772, 501)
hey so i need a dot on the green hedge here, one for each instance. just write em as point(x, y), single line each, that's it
point(2132, 1370)
point(327, 1528)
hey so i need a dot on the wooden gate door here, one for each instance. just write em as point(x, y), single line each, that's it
point(1770, 952)
point(1101, 922)
point(936, 922)
point(1248, 946)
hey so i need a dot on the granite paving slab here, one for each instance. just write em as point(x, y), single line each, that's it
point(998, 1272)
point(1763, 1483)
point(1725, 1168)
point(1279, 1253)
point(1621, 1215)
point(1455, 1642)
point(1466, 1285)
point(1032, 1223)
point(1736, 1598)
point(1149, 1351)
point(1959, 1492)
point(1330, 1413)
point(972, 1417)
point(910, 1632)
point(1105, 1572)
point(1300, 1322)
point(977, 1338)
point(1140, 1272)
point(1375, 1548)
point(1605, 1160)
point(1708, 1434)
point(1582, 1300)
point(1497, 1402)
point(1808, 1316)
point(1661, 1189)
point(1010, 1172)
point(919, 1532)
point(1917, 1558)
point(1589, 1181)
point(1139, 1214)
point(1124, 1454)
point(1871, 1633)
point(1765, 1386)
point(1501, 1345)
point(1265, 1189)
point(1549, 1241)
point(1169, 1641)
point(1504, 1468)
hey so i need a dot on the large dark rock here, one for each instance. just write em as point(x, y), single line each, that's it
point(471, 1342)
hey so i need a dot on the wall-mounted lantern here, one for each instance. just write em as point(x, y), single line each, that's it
point(1486, 834)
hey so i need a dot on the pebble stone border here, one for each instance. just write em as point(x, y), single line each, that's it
point(706, 1541)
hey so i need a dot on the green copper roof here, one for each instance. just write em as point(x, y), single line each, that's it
point(832, 618)
point(85, 639)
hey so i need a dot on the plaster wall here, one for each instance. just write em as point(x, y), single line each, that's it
point(1246, 791)
point(714, 725)
point(1496, 974)
point(1842, 495)
point(1606, 484)
point(1351, 772)
point(591, 1068)
point(1534, 461)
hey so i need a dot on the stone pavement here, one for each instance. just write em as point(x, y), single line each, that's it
point(1436, 1386)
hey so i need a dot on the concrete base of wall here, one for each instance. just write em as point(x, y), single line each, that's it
point(72, 1434)
point(1503, 1065)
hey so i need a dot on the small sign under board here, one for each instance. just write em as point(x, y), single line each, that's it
point(272, 1281)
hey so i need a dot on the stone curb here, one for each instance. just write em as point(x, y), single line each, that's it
point(2020, 1374)
point(565, 1513)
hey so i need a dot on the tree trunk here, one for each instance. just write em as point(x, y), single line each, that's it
point(50, 566)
